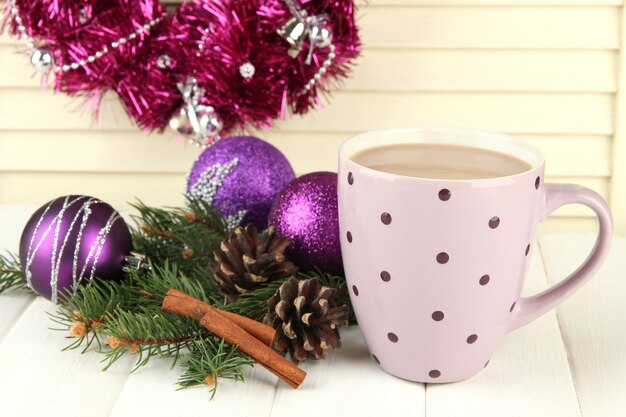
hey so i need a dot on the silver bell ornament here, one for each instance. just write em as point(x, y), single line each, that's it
point(320, 36)
point(200, 123)
point(202, 127)
point(209, 122)
point(294, 33)
point(180, 123)
point(41, 60)
point(302, 27)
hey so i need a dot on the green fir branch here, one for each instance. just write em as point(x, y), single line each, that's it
point(92, 305)
point(186, 236)
point(11, 275)
point(211, 359)
point(152, 286)
point(147, 333)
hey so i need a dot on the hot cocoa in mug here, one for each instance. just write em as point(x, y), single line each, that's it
point(437, 229)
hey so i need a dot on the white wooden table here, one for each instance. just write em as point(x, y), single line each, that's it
point(571, 362)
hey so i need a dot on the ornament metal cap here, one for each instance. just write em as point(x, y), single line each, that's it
point(136, 261)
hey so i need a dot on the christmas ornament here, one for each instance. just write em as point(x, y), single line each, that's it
point(72, 240)
point(89, 42)
point(301, 27)
point(196, 120)
point(232, 35)
point(210, 68)
point(305, 318)
point(247, 260)
point(164, 61)
point(246, 70)
point(322, 40)
point(41, 60)
point(306, 213)
point(240, 175)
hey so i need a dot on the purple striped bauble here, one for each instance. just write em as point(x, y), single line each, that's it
point(70, 241)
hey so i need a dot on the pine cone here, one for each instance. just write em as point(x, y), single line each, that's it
point(305, 317)
point(248, 259)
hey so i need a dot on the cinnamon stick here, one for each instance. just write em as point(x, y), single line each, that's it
point(252, 346)
point(222, 326)
point(259, 330)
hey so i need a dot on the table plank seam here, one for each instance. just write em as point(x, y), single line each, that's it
point(563, 339)
point(274, 397)
point(15, 323)
point(119, 393)
point(21, 312)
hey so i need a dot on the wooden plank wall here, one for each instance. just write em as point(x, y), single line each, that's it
point(545, 70)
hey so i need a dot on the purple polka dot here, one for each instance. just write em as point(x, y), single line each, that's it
point(527, 250)
point(434, 373)
point(376, 359)
point(484, 280)
point(385, 218)
point(392, 337)
point(443, 258)
point(512, 307)
point(494, 222)
point(537, 182)
point(472, 338)
point(385, 276)
point(355, 290)
point(350, 178)
point(438, 315)
point(445, 194)
point(349, 236)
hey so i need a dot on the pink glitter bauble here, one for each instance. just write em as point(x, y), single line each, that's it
point(306, 212)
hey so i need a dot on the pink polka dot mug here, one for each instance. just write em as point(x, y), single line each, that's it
point(435, 267)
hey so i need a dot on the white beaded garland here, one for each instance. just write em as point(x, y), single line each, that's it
point(30, 42)
point(321, 71)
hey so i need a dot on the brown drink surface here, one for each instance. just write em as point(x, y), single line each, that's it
point(454, 162)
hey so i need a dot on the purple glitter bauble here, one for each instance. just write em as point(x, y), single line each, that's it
point(72, 240)
point(306, 212)
point(241, 176)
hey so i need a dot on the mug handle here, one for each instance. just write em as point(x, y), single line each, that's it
point(557, 195)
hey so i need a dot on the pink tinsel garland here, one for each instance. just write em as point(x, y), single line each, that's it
point(206, 40)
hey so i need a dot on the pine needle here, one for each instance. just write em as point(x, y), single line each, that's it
point(253, 304)
point(146, 333)
point(211, 359)
point(11, 275)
